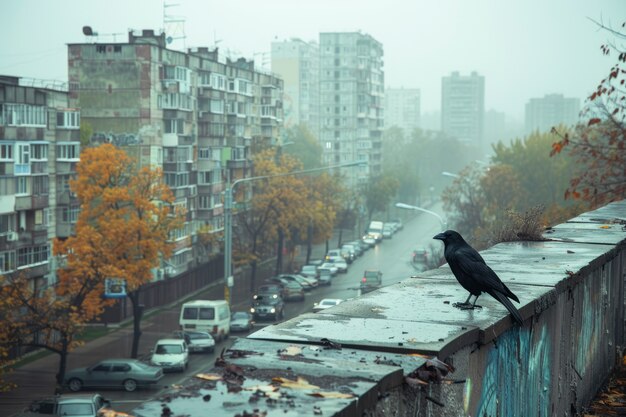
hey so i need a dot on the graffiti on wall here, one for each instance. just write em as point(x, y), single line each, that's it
point(517, 379)
point(117, 139)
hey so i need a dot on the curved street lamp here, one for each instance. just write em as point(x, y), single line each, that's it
point(432, 213)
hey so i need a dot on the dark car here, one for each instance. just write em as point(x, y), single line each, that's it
point(372, 280)
point(241, 321)
point(114, 373)
point(420, 256)
point(272, 287)
point(79, 405)
point(267, 306)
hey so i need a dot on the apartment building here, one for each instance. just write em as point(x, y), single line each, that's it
point(402, 108)
point(463, 107)
point(351, 103)
point(198, 116)
point(552, 110)
point(39, 150)
point(297, 63)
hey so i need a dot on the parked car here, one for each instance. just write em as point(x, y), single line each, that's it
point(341, 264)
point(363, 247)
point(114, 373)
point(272, 288)
point(326, 303)
point(307, 283)
point(354, 247)
point(241, 321)
point(372, 280)
point(398, 224)
point(331, 267)
point(369, 240)
point(293, 291)
point(325, 277)
point(332, 254)
point(267, 306)
point(197, 341)
point(170, 354)
point(75, 405)
point(387, 231)
point(348, 253)
point(309, 271)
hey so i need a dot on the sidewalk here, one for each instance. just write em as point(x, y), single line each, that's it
point(37, 378)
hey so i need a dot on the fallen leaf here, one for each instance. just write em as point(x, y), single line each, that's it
point(331, 394)
point(299, 383)
point(605, 227)
point(113, 413)
point(291, 351)
point(209, 377)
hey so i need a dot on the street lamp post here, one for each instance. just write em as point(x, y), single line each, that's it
point(228, 215)
point(409, 207)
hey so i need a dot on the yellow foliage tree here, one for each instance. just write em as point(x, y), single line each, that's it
point(128, 214)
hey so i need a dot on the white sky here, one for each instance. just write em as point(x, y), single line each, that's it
point(524, 48)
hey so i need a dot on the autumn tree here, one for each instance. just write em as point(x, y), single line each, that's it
point(128, 213)
point(599, 142)
point(273, 205)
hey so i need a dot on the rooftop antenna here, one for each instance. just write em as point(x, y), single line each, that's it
point(174, 26)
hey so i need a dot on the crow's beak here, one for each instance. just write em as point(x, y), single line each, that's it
point(440, 236)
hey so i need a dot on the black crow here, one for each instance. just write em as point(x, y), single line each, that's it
point(474, 274)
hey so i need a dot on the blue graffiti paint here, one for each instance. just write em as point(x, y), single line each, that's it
point(516, 382)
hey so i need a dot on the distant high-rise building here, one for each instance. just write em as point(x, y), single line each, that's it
point(463, 107)
point(351, 102)
point(551, 110)
point(402, 108)
point(297, 62)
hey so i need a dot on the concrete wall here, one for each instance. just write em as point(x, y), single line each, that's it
point(404, 350)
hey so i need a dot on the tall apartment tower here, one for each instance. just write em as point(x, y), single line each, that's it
point(551, 110)
point(463, 107)
point(39, 150)
point(297, 62)
point(351, 102)
point(196, 116)
point(402, 108)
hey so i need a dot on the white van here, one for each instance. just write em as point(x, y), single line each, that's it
point(212, 316)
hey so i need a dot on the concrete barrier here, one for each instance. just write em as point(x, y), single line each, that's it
point(404, 350)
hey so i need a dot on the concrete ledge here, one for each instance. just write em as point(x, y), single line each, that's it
point(571, 290)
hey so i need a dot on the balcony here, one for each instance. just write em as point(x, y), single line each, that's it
point(31, 202)
point(237, 163)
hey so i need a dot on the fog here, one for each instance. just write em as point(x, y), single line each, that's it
point(524, 48)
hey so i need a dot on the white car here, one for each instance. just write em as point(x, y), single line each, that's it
point(170, 354)
point(341, 264)
point(326, 303)
point(197, 341)
point(330, 267)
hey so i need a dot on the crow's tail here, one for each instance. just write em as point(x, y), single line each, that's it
point(509, 306)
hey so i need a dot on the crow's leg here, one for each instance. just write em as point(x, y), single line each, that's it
point(476, 305)
point(466, 305)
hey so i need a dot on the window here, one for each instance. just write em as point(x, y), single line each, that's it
point(68, 151)
point(70, 214)
point(68, 119)
point(217, 106)
point(23, 153)
point(22, 115)
point(7, 223)
point(22, 186)
point(204, 153)
point(173, 126)
point(39, 151)
point(6, 152)
point(33, 255)
point(207, 313)
point(7, 261)
point(204, 202)
point(40, 184)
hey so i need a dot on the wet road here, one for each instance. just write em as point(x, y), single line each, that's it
point(392, 256)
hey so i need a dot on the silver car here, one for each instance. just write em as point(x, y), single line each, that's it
point(197, 341)
point(114, 373)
